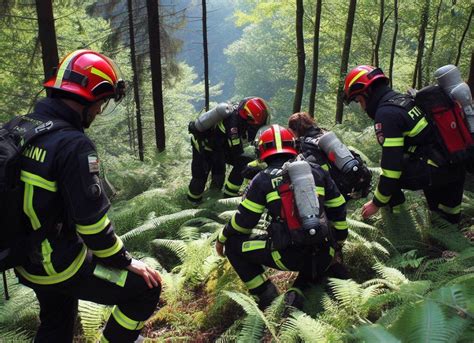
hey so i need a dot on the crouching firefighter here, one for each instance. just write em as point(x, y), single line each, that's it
point(75, 252)
point(217, 140)
point(309, 243)
point(347, 169)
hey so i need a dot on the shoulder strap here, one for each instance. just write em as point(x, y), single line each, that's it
point(404, 101)
point(29, 129)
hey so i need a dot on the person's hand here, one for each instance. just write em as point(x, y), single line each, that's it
point(150, 275)
point(369, 209)
point(220, 249)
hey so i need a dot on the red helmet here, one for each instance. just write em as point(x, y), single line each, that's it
point(359, 79)
point(254, 110)
point(88, 75)
point(276, 140)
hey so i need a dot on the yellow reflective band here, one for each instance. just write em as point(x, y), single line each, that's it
point(232, 186)
point(194, 196)
point(103, 75)
point(109, 251)
point(236, 141)
point(278, 144)
point(252, 206)
point(432, 163)
point(397, 209)
point(392, 174)
point(221, 126)
point(393, 142)
point(332, 251)
point(221, 238)
point(126, 322)
point(342, 225)
point(28, 206)
point(59, 277)
point(362, 72)
point(325, 167)
point(46, 251)
point(38, 181)
point(239, 228)
point(450, 210)
point(231, 193)
point(320, 191)
point(195, 143)
point(277, 259)
point(335, 202)
point(93, 228)
point(253, 245)
point(256, 281)
point(63, 67)
point(380, 197)
point(272, 196)
point(417, 129)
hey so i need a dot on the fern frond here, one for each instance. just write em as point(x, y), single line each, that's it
point(227, 215)
point(300, 325)
point(169, 252)
point(253, 329)
point(251, 308)
point(92, 318)
point(347, 293)
point(390, 274)
point(374, 334)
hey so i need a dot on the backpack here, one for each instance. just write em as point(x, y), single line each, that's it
point(15, 242)
point(445, 117)
point(288, 228)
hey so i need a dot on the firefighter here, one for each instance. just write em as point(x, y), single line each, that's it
point(76, 254)
point(353, 184)
point(222, 144)
point(411, 155)
point(248, 254)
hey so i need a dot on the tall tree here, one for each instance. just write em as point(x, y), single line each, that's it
point(345, 59)
point(417, 74)
point(394, 40)
point(470, 80)
point(429, 56)
point(156, 76)
point(461, 42)
point(206, 54)
point(379, 33)
point(136, 84)
point(47, 35)
point(314, 79)
point(301, 56)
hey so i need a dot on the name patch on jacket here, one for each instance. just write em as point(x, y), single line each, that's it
point(379, 133)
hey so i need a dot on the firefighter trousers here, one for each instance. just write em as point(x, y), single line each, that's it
point(248, 255)
point(134, 303)
point(442, 186)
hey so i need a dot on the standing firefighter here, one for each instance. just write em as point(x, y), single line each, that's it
point(347, 169)
point(217, 140)
point(412, 156)
point(307, 244)
point(75, 252)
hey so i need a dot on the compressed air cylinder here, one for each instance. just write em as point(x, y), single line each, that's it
point(449, 79)
point(338, 153)
point(306, 200)
point(210, 118)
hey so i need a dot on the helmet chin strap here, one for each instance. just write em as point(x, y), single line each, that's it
point(86, 118)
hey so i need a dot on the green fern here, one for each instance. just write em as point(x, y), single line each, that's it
point(169, 252)
point(374, 334)
point(92, 318)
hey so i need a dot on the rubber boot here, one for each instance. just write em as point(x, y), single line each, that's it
point(267, 295)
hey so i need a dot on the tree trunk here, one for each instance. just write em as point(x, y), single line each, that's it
point(458, 57)
point(156, 77)
point(379, 33)
point(314, 80)
point(345, 59)
point(136, 85)
point(470, 80)
point(433, 40)
point(394, 40)
point(206, 54)
point(301, 56)
point(47, 36)
point(418, 75)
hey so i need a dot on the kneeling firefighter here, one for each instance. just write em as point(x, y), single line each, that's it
point(217, 140)
point(307, 243)
point(346, 167)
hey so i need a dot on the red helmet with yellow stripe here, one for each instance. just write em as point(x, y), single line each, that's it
point(89, 76)
point(276, 140)
point(359, 79)
point(254, 111)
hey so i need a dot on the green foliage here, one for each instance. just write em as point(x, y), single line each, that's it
point(92, 318)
